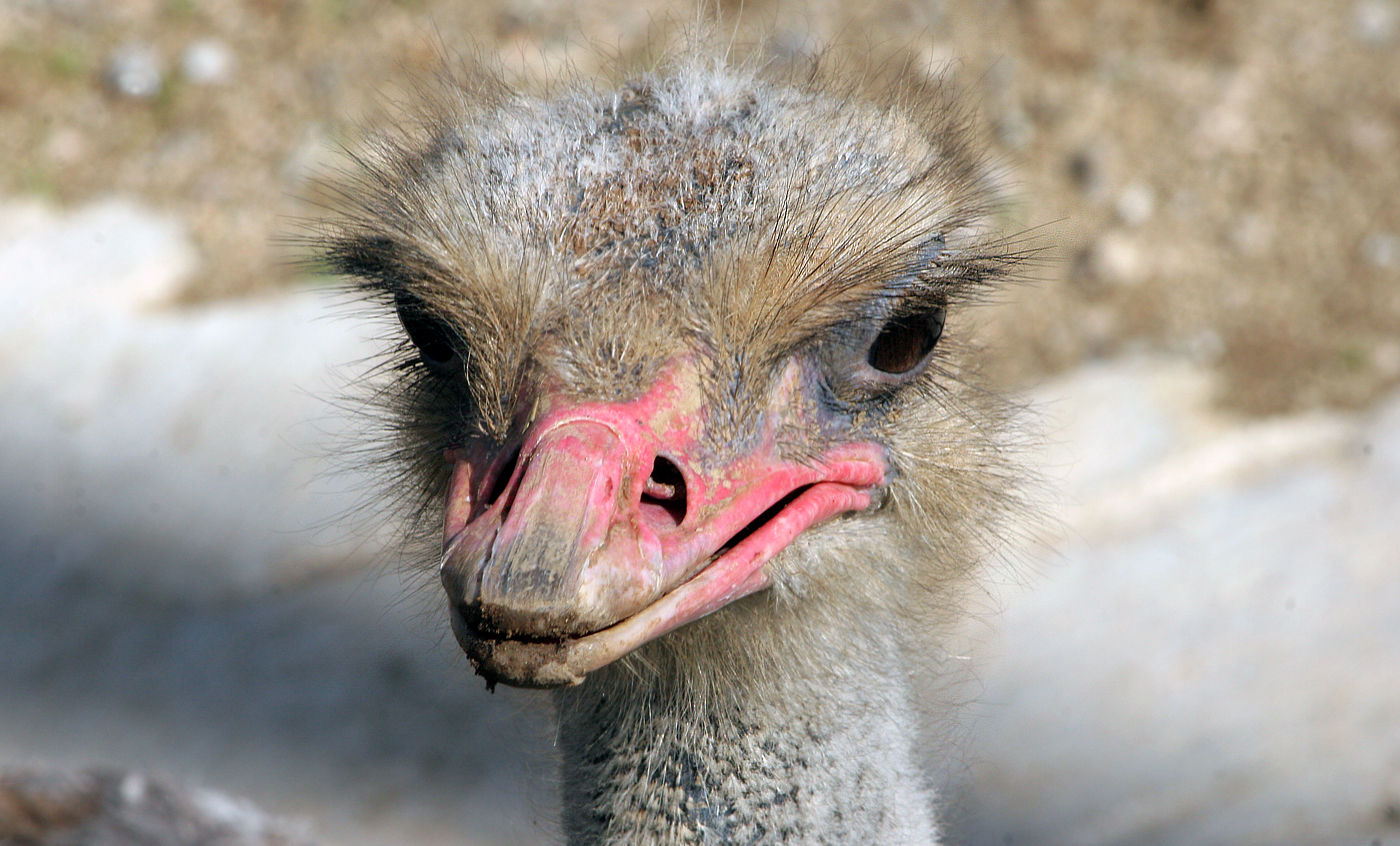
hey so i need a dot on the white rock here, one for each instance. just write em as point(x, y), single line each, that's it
point(207, 62)
point(1209, 657)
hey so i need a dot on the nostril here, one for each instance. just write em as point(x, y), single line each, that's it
point(663, 494)
point(502, 480)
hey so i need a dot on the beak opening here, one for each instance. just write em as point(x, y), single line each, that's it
point(613, 527)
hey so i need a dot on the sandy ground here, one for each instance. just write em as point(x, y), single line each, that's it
point(1207, 656)
point(1212, 178)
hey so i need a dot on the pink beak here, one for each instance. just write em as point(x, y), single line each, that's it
point(614, 526)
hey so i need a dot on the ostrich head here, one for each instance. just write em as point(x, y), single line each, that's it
point(691, 346)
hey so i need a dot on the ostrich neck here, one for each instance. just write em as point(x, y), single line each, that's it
point(684, 750)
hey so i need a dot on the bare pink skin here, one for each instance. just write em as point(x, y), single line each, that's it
point(571, 567)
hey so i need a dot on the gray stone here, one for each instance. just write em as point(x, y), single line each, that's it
point(135, 71)
point(188, 587)
point(1209, 656)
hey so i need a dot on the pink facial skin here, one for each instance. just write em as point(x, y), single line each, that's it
point(585, 553)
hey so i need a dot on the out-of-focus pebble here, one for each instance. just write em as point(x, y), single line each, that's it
point(1252, 236)
point(1205, 347)
point(1375, 21)
point(135, 71)
point(1381, 249)
point(1083, 169)
point(1136, 204)
point(1118, 258)
point(207, 62)
point(316, 155)
point(1385, 358)
point(1014, 128)
point(65, 146)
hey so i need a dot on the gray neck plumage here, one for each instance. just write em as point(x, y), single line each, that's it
point(695, 741)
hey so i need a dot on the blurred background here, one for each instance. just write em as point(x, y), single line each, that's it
point(194, 581)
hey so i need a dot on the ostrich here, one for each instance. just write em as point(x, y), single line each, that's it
point(682, 381)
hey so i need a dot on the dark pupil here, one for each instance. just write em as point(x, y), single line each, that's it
point(906, 341)
point(430, 336)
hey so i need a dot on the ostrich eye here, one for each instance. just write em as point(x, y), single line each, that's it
point(905, 341)
point(432, 336)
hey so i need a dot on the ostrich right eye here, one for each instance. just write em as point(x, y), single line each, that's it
point(432, 336)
